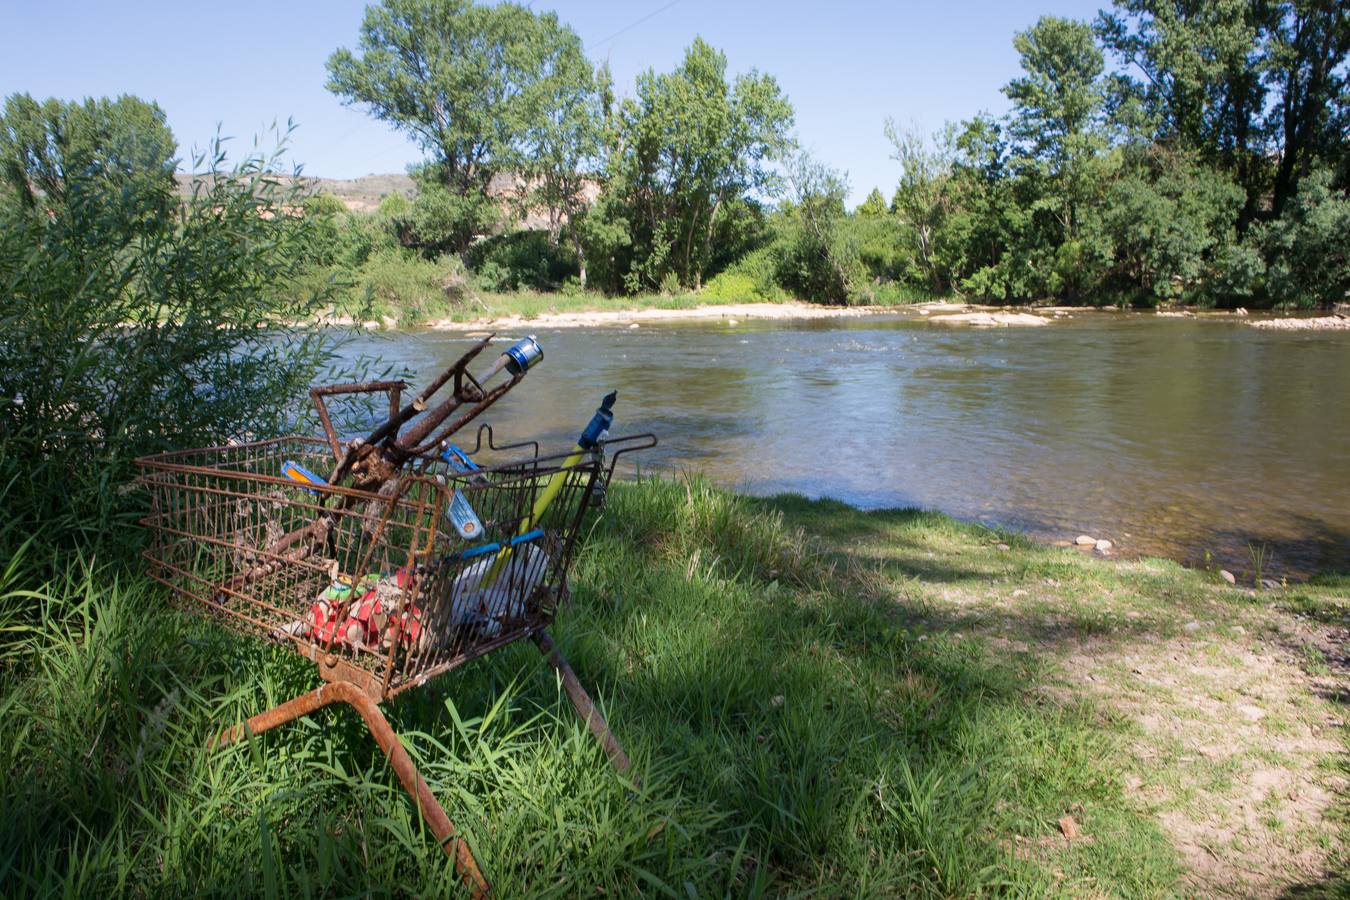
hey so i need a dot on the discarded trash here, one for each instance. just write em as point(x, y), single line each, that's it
point(358, 570)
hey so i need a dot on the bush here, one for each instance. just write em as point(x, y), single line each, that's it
point(519, 261)
point(126, 331)
point(1307, 250)
point(399, 284)
point(732, 286)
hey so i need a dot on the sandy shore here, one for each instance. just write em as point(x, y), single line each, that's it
point(1319, 323)
point(733, 312)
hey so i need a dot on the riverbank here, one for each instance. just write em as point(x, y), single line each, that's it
point(558, 310)
point(732, 313)
point(511, 311)
point(818, 699)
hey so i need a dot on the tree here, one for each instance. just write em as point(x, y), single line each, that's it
point(48, 149)
point(690, 144)
point(563, 145)
point(468, 82)
point(1307, 65)
point(874, 206)
point(1258, 88)
point(1057, 121)
point(921, 199)
point(821, 262)
point(1308, 248)
point(1167, 220)
point(127, 333)
point(1057, 103)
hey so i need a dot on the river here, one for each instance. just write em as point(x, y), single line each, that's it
point(1170, 437)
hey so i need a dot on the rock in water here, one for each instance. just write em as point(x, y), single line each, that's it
point(1085, 540)
point(1103, 545)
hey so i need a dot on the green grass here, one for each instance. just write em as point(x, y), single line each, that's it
point(820, 702)
point(530, 304)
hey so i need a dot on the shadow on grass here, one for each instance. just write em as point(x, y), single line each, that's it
point(793, 737)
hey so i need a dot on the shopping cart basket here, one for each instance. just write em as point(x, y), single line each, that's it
point(383, 589)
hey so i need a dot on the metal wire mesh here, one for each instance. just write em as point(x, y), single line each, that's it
point(381, 579)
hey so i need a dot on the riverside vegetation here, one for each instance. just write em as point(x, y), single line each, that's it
point(819, 699)
point(1156, 155)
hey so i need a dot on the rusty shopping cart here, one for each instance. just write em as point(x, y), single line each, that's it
point(383, 586)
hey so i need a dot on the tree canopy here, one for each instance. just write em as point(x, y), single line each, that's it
point(48, 148)
point(691, 145)
point(475, 86)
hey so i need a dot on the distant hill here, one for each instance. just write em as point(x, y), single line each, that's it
point(360, 194)
point(363, 194)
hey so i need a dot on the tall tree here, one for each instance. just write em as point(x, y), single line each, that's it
point(1057, 102)
point(563, 143)
point(922, 199)
point(1310, 47)
point(1057, 119)
point(691, 143)
point(47, 148)
point(1255, 86)
point(467, 82)
point(821, 262)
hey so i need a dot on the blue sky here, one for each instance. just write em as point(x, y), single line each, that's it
point(845, 65)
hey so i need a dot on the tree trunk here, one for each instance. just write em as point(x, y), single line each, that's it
point(707, 240)
point(578, 247)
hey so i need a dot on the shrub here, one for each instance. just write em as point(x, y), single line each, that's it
point(1307, 249)
point(521, 260)
point(400, 284)
point(732, 286)
point(125, 332)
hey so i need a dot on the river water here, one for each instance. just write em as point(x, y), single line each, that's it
point(1171, 437)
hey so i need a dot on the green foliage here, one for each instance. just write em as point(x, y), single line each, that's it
point(443, 217)
point(127, 331)
point(484, 89)
point(819, 260)
point(1166, 220)
point(520, 260)
point(1307, 250)
point(49, 150)
point(693, 147)
point(1058, 100)
point(1134, 183)
point(753, 276)
point(874, 206)
point(922, 200)
point(408, 287)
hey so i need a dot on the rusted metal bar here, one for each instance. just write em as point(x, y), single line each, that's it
point(419, 403)
point(427, 805)
point(582, 703)
point(474, 394)
point(317, 395)
point(488, 399)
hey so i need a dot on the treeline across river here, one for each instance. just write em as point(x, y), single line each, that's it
point(1162, 153)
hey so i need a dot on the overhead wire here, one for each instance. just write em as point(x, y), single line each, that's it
point(629, 27)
